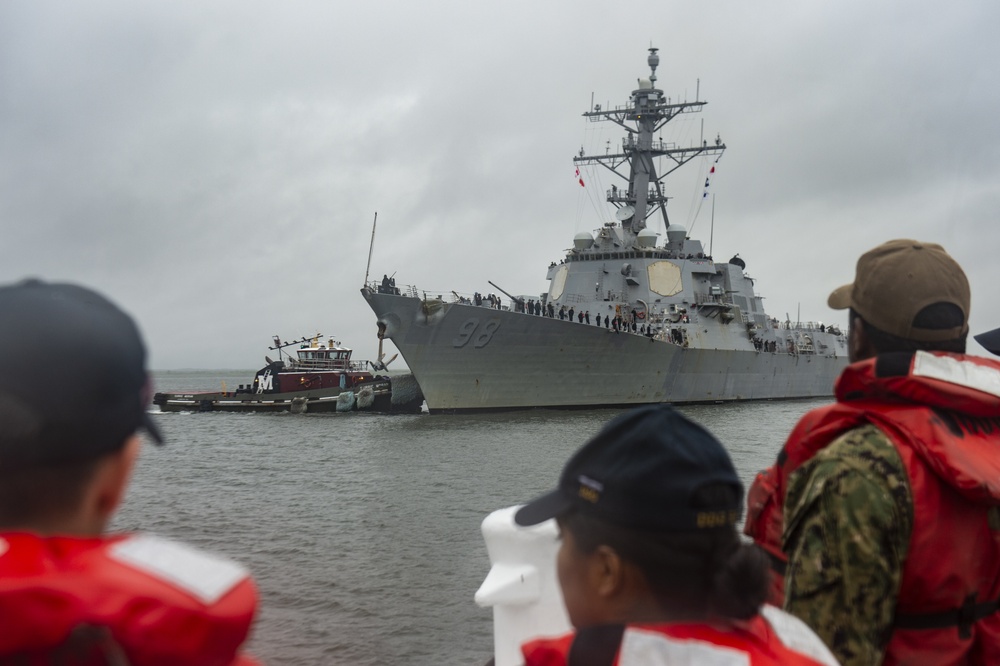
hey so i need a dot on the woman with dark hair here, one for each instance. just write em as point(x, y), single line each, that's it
point(651, 566)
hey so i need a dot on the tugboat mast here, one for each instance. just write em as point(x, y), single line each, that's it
point(649, 110)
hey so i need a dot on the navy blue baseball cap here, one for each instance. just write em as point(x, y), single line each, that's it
point(73, 379)
point(643, 471)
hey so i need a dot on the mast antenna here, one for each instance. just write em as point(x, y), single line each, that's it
point(711, 232)
point(370, 248)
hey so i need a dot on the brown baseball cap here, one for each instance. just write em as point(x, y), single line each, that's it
point(898, 279)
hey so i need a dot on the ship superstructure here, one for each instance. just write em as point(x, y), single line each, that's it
point(627, 319)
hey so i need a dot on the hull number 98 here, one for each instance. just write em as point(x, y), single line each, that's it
point(480, 336)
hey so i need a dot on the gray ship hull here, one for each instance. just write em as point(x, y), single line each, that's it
point(467, 357)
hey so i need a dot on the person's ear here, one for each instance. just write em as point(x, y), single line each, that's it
point(859, 346)
point(608, 571)
point(111, 480)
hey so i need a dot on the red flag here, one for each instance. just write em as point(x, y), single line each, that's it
point(579, 178)
point(712, 170)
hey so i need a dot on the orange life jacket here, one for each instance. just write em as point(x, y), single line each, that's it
point(773, 637)
point(150, 600)
point(942, 414)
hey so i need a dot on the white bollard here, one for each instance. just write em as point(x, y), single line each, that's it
point(522, 586)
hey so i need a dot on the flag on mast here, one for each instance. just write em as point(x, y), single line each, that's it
point(711, 171)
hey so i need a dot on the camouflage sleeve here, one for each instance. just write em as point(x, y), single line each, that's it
point(848, 519)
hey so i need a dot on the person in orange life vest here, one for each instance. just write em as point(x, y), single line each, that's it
point(73, 397)
point(651, 567)
point(886, 504)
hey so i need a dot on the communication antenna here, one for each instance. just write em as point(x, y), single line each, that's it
point(711, 228)
point(624, 213)
point(370, 248)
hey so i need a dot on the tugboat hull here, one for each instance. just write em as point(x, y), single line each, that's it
point(398, 394)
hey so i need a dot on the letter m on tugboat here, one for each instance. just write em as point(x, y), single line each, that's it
point(264, 381)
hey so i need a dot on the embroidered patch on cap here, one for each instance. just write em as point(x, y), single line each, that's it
point(590, 489)
point(713, 519)
point(203, 575)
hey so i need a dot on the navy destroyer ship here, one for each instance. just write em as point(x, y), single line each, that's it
point(628, 318)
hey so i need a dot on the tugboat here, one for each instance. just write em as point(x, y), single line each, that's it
point(321, 377)
point(627, 319)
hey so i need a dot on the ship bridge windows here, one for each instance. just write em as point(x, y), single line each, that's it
point(642, 253)
point(626, 254)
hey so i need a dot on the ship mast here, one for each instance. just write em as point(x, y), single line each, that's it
point(648, 110)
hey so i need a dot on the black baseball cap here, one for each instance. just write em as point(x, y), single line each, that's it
point(73, 379)
point(642, 471)
point(990, 340)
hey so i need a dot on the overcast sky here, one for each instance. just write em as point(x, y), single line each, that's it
point(214, 167)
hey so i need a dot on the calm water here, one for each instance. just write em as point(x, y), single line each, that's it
point(362, 530)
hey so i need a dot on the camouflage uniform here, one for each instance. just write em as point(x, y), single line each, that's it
point(848, 520)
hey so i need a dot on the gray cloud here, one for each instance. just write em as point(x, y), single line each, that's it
point(215, 166)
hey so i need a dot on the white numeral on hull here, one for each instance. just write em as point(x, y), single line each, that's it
point(467, 331)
